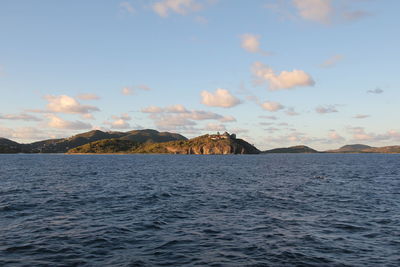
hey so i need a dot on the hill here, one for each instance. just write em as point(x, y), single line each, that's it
point(356, 148)
point(8, 146)
point(293, 149)
point(64, 144)
point(206, 144)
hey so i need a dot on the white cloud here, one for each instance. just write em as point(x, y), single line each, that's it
point(67, 104)
point(326, 109)
point(119, 122)
point(332, 61)
point(220, 98)
point(272, 106)
point(57, 122)
point(21, 116)
point(165, 7)
point(88, 97)
point(375, 91)
point(127, 7)
point(283, 80)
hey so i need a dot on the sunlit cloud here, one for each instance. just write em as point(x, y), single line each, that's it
point(272, 106)
point(251, 43)
point(220, 98)
point(178, 117)
point(283, 80)
point(65, 104)
point(119, 122)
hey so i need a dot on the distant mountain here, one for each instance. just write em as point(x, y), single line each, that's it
point(64, 144)
point(206, 144)
point(292, 149)
point(356, 148)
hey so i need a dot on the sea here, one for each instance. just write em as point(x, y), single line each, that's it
point(200, 210)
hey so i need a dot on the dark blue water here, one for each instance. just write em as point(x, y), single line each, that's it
point(174, 210)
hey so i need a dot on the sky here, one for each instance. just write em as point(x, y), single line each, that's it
point(278, 73)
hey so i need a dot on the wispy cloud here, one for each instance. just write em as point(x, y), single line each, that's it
point(326, 109)
point(319, 11)
point(332, 61)
point(21, 116)
point(131, 90)
point(291, 112)
point(361, 116)
point(88, 97)
point(127, 7)
point(375, 91)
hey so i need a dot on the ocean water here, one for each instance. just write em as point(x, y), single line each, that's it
point(191, 210)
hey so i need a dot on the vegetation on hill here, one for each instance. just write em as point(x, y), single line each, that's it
point(107, 146)
point(64, 144)
point(199, 145)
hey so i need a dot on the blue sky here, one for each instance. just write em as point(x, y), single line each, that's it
point(278, 73)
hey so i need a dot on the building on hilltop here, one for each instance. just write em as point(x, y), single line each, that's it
point(225, 135)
